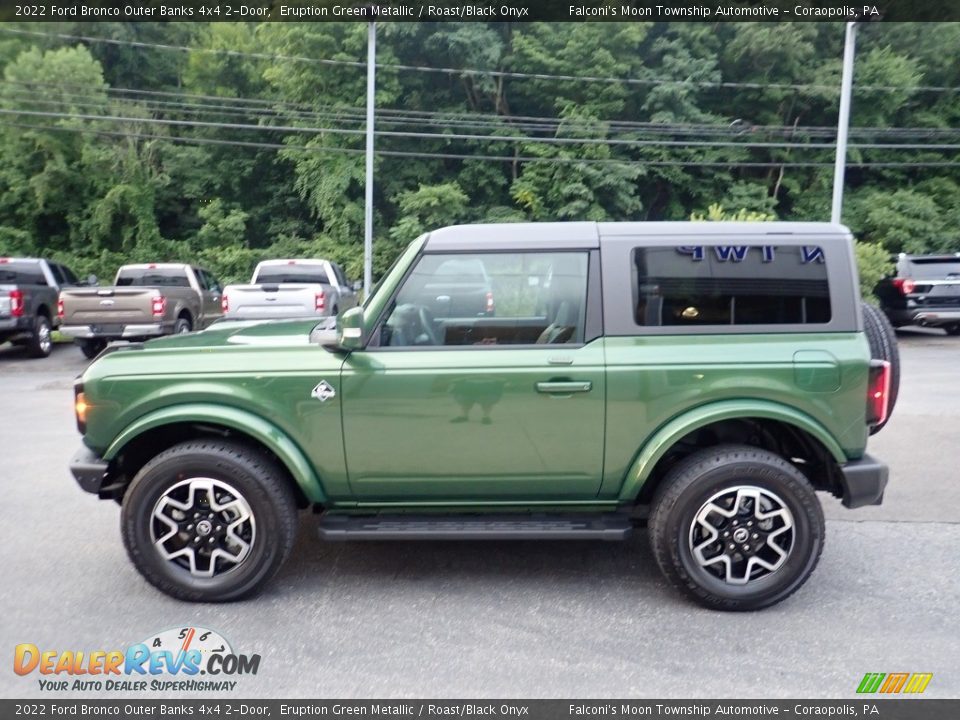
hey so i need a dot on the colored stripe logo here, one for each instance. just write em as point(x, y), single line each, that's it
point(892, 683)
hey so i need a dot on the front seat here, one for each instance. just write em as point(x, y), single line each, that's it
point(563, 326)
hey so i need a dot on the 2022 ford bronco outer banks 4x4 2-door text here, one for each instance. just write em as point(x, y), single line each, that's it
point(702, 378)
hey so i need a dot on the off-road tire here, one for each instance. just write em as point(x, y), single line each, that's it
point(260, 481)
point(883, 346)
point(695, 479)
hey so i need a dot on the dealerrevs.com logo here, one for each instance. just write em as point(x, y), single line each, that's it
point(176, 660)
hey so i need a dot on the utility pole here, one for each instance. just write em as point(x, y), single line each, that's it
point(368, 208)
point(843, 121)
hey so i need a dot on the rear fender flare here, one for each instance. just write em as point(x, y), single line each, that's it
point(665, 438)
point(240, 420)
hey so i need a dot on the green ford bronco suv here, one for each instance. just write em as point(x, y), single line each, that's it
point(515, 381)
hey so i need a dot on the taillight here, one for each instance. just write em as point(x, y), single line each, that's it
point(158, 306)
point(878, 392)
point(320, 301)
point(60, 311)
point(16, 303)
point(904, 285)
point(491, 306)
point(224, 304)
point(80, 407)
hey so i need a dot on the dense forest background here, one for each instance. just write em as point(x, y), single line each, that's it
point(225, 143)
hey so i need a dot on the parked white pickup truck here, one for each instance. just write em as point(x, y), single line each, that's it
point(290, 289)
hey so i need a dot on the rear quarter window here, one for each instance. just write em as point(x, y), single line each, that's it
point(710, 285)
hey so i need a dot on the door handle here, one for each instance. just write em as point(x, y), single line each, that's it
point(564, 387)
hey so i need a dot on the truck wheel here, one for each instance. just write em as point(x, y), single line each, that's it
point(736, 527)
point(40, 344)
point(209, 520)
point(883, 346)
point(182, 326)
point(91, 348)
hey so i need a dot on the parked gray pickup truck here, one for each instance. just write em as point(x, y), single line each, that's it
point(290, 289)
point(28, 302)
point(145, 301)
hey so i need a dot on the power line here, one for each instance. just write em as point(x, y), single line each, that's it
point(651, 82)
point(625, 142)
point(398, 116)
point(492, 158)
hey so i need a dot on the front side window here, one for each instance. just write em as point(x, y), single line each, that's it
point(700, 285)
point(490, 299)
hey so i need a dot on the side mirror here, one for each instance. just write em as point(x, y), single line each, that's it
point(356, 285)
point(350, 334)
point(92, 280)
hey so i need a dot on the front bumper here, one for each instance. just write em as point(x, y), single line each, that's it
point(864, 481)
point(89, 470)
point(89, 332)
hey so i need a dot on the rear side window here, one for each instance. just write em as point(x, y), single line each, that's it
point(293, 273)
point(21, 273)
point(153, 277)
point(702, 285)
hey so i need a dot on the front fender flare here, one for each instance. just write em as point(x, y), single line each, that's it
point(664, 439)
point(256, 427)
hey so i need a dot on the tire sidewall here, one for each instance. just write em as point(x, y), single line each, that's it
point(153, 481)
point(808, 534)
point(36, 344)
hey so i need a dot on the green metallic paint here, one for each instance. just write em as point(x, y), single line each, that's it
point(667, 436)
point(465, 427)
point(240, 420)
point(469, 424)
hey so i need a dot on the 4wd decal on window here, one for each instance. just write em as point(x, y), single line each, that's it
point(736, 253)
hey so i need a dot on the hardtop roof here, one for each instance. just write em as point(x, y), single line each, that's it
point(560, 235)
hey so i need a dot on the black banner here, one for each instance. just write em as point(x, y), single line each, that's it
point(494, 10)
point(864, 706)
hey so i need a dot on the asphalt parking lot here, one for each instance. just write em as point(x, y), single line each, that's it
point(503, 619)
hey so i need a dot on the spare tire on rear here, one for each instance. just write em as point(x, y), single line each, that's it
point(883, 346)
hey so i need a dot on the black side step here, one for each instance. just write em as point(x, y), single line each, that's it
point(504, 526)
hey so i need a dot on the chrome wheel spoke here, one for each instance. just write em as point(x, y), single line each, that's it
point(204, 526)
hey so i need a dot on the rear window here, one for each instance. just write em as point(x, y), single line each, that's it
point(933, 268)
point(730, 285)
point(302, 274)
point(153, 277)
point(21, 273)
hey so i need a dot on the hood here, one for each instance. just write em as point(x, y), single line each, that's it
point(284, 333)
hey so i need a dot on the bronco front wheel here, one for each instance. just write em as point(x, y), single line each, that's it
point(209, 520)
point(736, 527)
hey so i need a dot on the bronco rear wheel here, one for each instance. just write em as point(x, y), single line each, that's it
point(209, 520)
point(736, 527)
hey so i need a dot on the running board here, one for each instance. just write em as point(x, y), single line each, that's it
point(504, 526)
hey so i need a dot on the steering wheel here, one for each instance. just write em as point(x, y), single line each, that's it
point(426, 324)
point(414, 322)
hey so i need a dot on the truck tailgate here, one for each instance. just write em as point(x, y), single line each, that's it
point(111, 305)
point(5, 300)
point(272, 301)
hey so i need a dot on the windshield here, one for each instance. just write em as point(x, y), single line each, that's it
point(295, 273)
